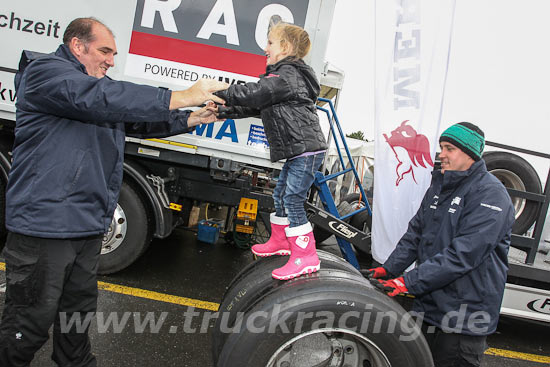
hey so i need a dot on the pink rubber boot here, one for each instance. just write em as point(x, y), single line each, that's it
point(303, 256)
point(277, 243)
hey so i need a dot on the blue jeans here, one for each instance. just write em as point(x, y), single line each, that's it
point(290, 194)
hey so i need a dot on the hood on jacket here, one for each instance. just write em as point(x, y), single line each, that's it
point(29, 56)
point(304, 69)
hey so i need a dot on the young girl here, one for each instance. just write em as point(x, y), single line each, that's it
point(285, 98)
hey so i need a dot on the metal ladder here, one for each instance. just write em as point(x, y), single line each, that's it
point(330, 219)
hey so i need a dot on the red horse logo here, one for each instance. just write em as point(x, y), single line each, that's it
point(416, 145)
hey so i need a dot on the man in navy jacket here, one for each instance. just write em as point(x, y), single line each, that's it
point(459, 239)
point(63, 187)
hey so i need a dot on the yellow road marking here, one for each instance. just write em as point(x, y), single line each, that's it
point(212, 306)
point(517, 355)
point(136, 292)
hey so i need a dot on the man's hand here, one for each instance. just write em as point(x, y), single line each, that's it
point(375, 273)
point(205, 115)
point(392, 287)
point(197, 94)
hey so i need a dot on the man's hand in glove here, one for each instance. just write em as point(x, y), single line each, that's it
point(376, 273)
point(392, 287)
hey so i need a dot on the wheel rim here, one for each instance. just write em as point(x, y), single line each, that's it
point(330, 347)
point(116, 233)
point(510, 180)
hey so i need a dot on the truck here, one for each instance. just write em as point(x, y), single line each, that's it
point(173, 43)
point(169, 44)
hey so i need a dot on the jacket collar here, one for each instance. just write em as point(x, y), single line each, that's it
point(287, 60)
point(454, 178)
point(64, 52)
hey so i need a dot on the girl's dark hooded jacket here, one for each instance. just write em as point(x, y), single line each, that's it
point(285, 98)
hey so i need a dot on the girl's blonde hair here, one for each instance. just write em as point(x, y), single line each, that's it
point(293, 38)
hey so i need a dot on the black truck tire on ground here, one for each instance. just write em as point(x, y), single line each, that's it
point(320, 234)
point(263, 263)
point(254, 281)
point(136, 238)
point(363, 220)
point(319, 318)
point(5, 165)
point(3, 230)
point(516, 173)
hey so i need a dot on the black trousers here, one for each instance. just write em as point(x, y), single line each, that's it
point(454, 350)
point(49, 281)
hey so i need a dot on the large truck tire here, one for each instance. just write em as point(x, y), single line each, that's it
point(3, 230)
point(255, 280)
point(129, 234)
point(266, 262)
point(5, 165)
point(329, 318)
point(363, 220)
point(320, 234)
point(516, 173)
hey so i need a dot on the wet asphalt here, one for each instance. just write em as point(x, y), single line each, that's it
point(198, 274)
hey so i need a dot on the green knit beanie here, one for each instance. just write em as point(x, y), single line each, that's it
point(467, 137)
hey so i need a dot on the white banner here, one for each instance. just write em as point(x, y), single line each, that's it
point(412, 52)
point(175, 73)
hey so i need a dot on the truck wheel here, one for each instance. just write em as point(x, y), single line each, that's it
point(320, 234)
point(265, 262)
point(3, 230)
point(254, 280)
point(129, 234)
point(363, 220)
point(5, 165)
point(516, 173)
point(330, 318)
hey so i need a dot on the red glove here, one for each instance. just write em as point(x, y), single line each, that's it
point(392, 287)
point(376, 273)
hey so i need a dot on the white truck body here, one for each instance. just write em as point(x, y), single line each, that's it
point(171, 44)
point(230, 49)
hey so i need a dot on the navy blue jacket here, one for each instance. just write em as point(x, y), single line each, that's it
point(285, 98)
point(459, 239)
point(69, 145)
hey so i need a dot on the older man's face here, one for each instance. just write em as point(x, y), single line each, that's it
point(99, 55)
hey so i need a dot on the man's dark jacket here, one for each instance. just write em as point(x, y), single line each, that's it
point(69, 145)
point(459, 238)
point(285, 98)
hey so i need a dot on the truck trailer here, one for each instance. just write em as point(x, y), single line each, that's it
point(169, 44)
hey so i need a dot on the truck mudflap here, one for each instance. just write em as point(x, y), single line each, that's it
point(526, 302)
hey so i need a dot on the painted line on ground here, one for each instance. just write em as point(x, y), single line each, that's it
point(142, 293)
point(212, 306)
point(517, 355)
point(156, 296)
